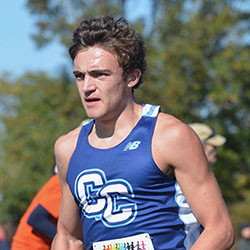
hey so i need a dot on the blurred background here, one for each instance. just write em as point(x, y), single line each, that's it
point(198, 55)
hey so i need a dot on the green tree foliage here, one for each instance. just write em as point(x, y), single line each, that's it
point(198, 67)
point(57, 19)
point(35, 110)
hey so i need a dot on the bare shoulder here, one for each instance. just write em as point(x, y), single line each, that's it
point(64, 147)
point(67, 142)
point(173, 139)
point(174, 130)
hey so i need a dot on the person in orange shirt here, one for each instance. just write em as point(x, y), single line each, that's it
point(37, 226)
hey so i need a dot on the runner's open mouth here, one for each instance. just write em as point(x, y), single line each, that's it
point(92, 100)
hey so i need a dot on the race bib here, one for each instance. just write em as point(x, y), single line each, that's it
point(136, 242)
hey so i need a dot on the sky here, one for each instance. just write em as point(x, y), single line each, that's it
point(18, 53)
point(17, 50)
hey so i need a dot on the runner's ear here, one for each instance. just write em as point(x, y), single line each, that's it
point(133, 78)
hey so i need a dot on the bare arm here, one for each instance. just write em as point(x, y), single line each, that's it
point(69, 229)
point(182, 149)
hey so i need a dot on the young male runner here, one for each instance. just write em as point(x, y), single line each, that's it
point(114, 170)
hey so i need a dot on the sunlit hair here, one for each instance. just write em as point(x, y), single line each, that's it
point(115, 36)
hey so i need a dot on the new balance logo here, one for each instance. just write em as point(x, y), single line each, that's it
point(132, 145)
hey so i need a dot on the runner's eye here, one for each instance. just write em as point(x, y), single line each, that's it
point(78, 75)
point(99, 74)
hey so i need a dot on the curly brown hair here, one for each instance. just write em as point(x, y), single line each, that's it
point(115, 36)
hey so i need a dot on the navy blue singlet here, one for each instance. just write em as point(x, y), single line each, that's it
point(121, 192)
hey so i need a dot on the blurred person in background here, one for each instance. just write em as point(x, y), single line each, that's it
point(210, 140)
point(244, 242)
point(37, 226)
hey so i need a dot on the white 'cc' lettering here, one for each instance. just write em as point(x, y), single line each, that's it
point(105, 200)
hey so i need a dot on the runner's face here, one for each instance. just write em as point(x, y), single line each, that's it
point(100, 83)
